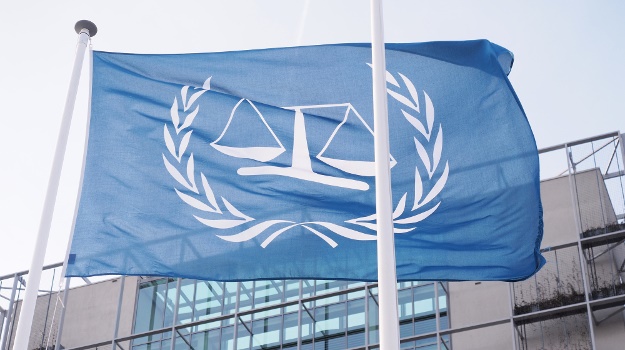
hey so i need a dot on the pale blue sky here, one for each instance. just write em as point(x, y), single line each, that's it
point(568, 71)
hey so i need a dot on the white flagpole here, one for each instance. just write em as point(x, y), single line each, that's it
point(85, 29)
point(387, 275)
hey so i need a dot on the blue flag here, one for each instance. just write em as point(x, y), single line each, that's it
point(259, 165)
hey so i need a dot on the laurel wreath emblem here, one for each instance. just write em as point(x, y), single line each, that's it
point(204, 199)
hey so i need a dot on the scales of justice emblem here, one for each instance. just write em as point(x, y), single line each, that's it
point(301, 165)
point(204, 199)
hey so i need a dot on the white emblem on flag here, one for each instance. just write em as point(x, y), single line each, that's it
point(301, 166)
point(204, 199)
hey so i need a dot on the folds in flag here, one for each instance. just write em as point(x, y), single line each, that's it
point(259, 165)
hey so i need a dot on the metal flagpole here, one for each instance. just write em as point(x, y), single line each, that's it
point(387, 274)
point(71, 236)
point(85, 29)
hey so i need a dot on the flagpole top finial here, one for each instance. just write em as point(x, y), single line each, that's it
point(84, 24)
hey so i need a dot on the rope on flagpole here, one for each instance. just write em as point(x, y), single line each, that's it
point(387, 274)
point(85, 30)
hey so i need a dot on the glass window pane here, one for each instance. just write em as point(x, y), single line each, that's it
point(356, 338)
point(324, 287)
point(444, 322)
point(266, 332)
point(337, 343)
point(267, 293)
point(308, 325)
point(207, 326)
point(404, 298)
point(356, 314)
point(353, 284)
point(207, 340)
point(373, 318)
point(406, 328)
point(208, 299)
point(180, 343)
point(425, 326)
point(423, 300)
point(245, 296)
point(150, 310)
point(308, 290)
point(290, 329)
point(446, 341)
point(442, 298)
point(186, 332)
point(330, 319)
point(140, 347)
point(402, 285)
point(185, 302)
point(243, 336)
point(327, 301)
point(407, 346)
point(170, 302)
point(227, 335)
point(291, 292)
point(355, 323)
point(356, 295)
point(230, 297)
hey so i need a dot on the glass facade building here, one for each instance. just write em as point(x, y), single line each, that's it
point(291, 314)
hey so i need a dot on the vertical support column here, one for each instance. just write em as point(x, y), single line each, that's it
point(573, 188)
point(438, 317)
point(622, 144)
point(367, 326)
point(299, 315)
point(512, 328)
point(223, 306)
point(580, 251)
point(119, 310)
point(282, 313)
point(623, 149)
point(175, 320)
point(236, 316)
point(9, 313)
point(587, 292)
point(59, 333)
point(2, 316)
point(599, 179)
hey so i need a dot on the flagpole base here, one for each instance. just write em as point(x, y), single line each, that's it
point(85, 24)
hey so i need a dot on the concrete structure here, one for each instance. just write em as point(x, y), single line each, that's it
point(90, 315)
point(575, 302)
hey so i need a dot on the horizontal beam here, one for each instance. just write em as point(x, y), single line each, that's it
point(22, 273)
point(605, 303)
point(579, 142)
point(603, 239)
point(542, 314)
point(614, 174)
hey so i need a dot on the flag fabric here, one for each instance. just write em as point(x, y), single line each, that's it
point(259, 165)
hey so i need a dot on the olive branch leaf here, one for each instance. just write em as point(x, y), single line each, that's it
point(177, 151)
point(431, 163)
